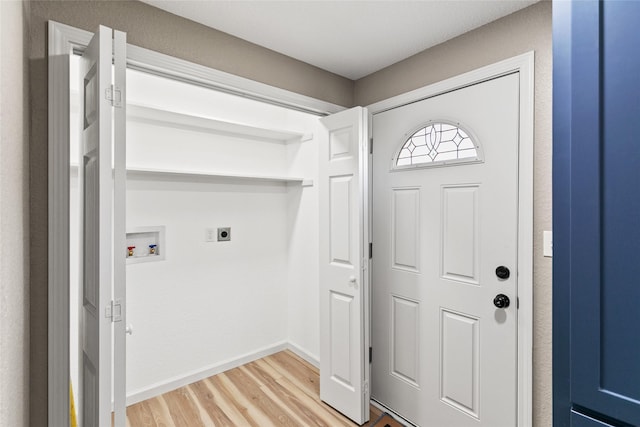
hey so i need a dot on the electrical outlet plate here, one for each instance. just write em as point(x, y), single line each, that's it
point(224, 234)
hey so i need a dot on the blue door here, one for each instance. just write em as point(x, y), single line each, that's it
point(596, 220)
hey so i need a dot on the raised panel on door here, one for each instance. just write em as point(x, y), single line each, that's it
point(601, 246)
point(405, 339)
point(460, 361)
point(341, 219)
point(460, 238)
point(344, 368)
point(406, 228)
point(341, 325)
point(619, 292)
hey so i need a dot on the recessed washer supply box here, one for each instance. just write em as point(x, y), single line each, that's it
point(145, 244)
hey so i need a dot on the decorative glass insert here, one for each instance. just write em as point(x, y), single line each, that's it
point(437, 143)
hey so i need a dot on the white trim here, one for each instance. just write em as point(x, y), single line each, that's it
point(304, 354)
point(191, 377)
point(63, 41)
point(178, 69)
point(508, 66)
point(180, 381)
point(523, 64)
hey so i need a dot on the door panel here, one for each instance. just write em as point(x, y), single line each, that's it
point(97, 233)
point(406, 228)
point(342, 323)
point(596, 204)
point(344, 367)
point(459, 362)
point(98, 192)
point(444, 354)
point(460, 233)
point(342, 217)
point(405, 333)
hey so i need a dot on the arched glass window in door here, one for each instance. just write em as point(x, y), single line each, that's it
point(437, 143)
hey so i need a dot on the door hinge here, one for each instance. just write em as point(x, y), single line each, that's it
point(517, 303)
point(114, 311)
point(365, 387)
point(370, 145)
point(370, 354)
point(370, 250)
point(114, 94)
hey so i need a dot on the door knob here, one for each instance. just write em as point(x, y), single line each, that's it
point(352, 280)
point(502, 272)
point(501, 301)
point(129, 329)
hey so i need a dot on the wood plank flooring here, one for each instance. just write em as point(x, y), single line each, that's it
point(278, 390)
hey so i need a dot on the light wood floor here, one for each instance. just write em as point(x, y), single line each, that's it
point(281, 389)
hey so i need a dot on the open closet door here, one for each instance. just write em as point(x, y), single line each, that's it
point(102, 172)
point(344, 260)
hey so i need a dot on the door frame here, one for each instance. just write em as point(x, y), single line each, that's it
point(64, 40)
point(524, 65)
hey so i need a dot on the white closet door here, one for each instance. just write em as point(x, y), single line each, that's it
point(344, 364)
point(98, 193)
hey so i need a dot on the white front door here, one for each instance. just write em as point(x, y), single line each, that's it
point(98, 169)
point(444, 354)
point(344, 339)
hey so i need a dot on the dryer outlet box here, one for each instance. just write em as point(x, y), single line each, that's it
point(224, 234)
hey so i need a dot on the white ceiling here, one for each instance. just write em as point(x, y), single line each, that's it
point(351, 38)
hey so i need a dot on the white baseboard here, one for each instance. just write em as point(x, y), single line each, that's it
point(194, 376)
point(306, 355)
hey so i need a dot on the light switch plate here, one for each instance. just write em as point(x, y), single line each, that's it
point(210, 235)
point(547, 243)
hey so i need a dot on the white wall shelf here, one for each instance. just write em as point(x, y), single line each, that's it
point(146, 114)
point(202, 176)
point(134, 172)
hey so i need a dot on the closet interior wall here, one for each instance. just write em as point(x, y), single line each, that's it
point(197, 160)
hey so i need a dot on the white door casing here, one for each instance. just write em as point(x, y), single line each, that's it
point(96, 174)
point(344, 364)
point(119, 226)
point(444, 355)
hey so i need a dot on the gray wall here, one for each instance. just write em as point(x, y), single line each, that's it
point(14, 215)
point(155, 29)
point(523, 31)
